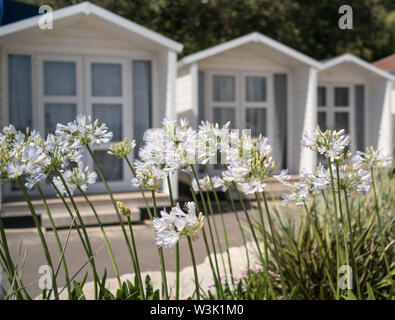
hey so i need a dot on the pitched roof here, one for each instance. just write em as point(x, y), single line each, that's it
point(254, 37)
point(88, 8)
point(387, 63)
point(358, 61)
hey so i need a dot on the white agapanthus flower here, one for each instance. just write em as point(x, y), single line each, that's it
point(171, 147)
point(371, 158)
point(80, 177)
point(213, 141)
point(330, 144)
point(61, 187)
point(283, 177)
point(218, 182)
point(251, 164)
point(76, 177)
point(204, 183)
point(173, 225)
point(148, 175)
point(235, 172)
point(23, 155)
point(83, 129)
point(300, 194)
point(250, 186)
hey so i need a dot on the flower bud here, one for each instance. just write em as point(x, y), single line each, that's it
point(123, 208)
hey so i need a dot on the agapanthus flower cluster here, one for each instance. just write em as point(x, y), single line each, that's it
point(35, 158)
point(204, 184)
point(122, 149)
point(22, 155)
point(173, 225)
point(171, 147)
point(353, 179)
point(331, 144)
point(213, 142)
point(371, 158)
point(75, 178)
point(85, 130)
point(219, 182)
point(301, 190)
point(251, 164)
point(148, 175)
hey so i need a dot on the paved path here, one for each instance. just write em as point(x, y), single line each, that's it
point(148, 256)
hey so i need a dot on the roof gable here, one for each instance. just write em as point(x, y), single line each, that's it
point(254, 37)
point(358, 61)
point(87, 8)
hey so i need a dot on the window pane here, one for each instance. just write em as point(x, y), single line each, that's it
point(223, 115)
point(58, 113)
point(322, 120)
point(106, 80)
point(256, 121)
point(224, 88)
point(60, 78)
point(111, 115)
point(341, 121)
point(341, 97)
point(321, 96)
point(110, 165)
point(255, 89)
point(141, 100)
point(20, 91)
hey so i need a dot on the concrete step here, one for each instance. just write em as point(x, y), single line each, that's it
point(17, 212)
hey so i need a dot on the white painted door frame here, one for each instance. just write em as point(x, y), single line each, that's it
point(125, 101)
point(330, 109)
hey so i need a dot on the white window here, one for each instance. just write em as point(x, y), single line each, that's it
point(242, 98)
point(335, 108)
point(224, 98)
point(255, 104)
point(60, 96)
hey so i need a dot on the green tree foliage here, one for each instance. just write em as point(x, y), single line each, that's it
point(309, 26)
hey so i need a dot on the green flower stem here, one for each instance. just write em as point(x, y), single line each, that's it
point(140, 188)
point(376, 201)
point(9, 264)
point(216, 233)
point(249, 223)
point(336, 230)
point(160, 251)
point(321, 248)
point(77, 227)
point(240, 227)
point(107, 242)
point(161, 258)
point(138, 272)
point(222, 223)
point(268, 283)
point(85, 233)
point(342, 219)
point(65, 269)
point(41, 235)
point(206, 212)
point(177, 245)
point(216, 279)
point(269, 218)
point(194, 268)
point(114, 204)
point(354, 264)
